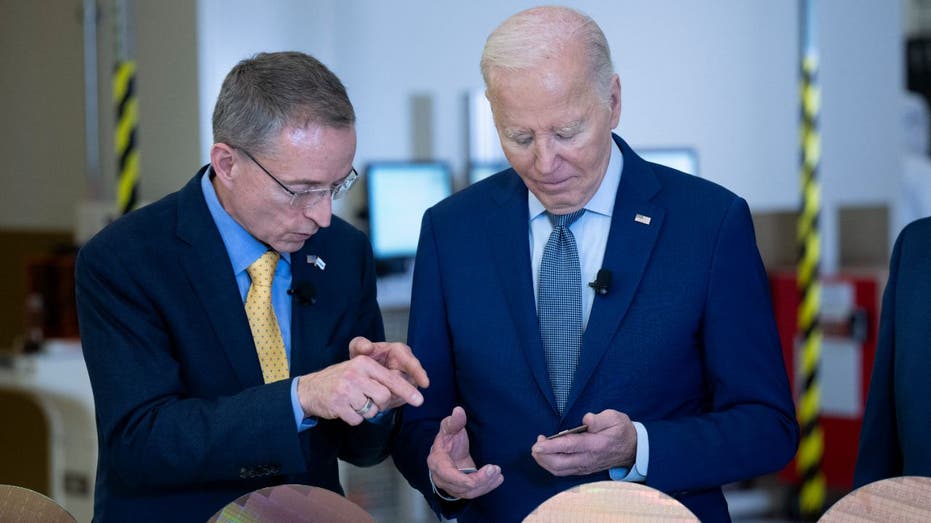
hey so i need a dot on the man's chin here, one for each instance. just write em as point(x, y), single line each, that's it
point(289, 245)
point(558, 207)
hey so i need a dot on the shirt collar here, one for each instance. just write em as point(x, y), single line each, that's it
point(602, 202)
point(242, 247)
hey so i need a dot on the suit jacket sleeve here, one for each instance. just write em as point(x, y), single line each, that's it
point(749, 405)
point(429, 325)
point(879, 455)
point(368, 443)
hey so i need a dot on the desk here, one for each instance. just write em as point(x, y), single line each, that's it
point(57, 379)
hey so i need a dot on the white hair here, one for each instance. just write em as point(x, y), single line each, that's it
point(530, 37)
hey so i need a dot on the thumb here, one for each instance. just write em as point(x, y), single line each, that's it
point(595, 422)
point(455, 422)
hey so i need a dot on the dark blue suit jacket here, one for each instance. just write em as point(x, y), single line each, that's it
point(896, 435)
point(185, 423)
point(684, 342)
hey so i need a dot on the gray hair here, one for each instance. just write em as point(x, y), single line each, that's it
point(529, 37)
point(270, 91)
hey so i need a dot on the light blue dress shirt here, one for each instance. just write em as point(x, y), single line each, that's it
point(243, 249)
point(591, 237)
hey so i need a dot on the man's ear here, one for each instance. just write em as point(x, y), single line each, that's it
point(222, 158)
point(615, 101)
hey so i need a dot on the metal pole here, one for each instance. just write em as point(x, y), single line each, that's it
point(127, 113)
point(811, 446)
point(92, 172)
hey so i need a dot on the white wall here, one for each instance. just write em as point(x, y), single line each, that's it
point(231, 30)
point(863, 79)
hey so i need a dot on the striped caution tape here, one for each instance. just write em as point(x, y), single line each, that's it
point(127, 124)
point(811, 448)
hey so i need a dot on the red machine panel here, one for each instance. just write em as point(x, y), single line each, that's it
point(850, 320)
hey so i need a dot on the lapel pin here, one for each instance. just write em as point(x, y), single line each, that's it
point(316, 260)
point(642, 219)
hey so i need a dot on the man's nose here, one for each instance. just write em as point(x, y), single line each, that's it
point(544, 155)
point(322, 212)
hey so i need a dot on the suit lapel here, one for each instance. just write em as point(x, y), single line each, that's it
point(630, 243)
point(507, 229)
point(309, 321)
point(210, 273)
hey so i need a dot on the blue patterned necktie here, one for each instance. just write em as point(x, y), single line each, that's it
point(559, 305)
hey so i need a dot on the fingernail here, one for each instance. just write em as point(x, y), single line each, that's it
point(416, 398)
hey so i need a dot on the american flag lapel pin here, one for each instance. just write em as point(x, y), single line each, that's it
point(640, 218)
point(317, 261)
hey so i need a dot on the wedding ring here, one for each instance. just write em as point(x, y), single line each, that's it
point(365, 408)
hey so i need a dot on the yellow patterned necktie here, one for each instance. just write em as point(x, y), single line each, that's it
point(262, 319)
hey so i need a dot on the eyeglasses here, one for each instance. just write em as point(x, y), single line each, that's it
point(311, 197)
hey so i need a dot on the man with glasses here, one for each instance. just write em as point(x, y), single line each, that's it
point(230, 330)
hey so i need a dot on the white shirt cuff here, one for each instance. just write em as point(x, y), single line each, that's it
point(638, 472)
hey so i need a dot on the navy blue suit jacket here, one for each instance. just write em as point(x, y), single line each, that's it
point(895, 437)
point(684, 342)
point(185, 423)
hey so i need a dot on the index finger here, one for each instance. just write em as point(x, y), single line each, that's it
point(399, 356)
point(410, 365)
point(396, 384)
point(568, 444)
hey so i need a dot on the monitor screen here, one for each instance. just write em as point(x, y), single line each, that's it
point(682, 158)
point(478, 171)
point(398, 195)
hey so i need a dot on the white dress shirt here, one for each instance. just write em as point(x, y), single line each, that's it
point(591, 238)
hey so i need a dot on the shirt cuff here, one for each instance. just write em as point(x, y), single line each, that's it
point(638, 472)
point(302, 423)
point(383, 417)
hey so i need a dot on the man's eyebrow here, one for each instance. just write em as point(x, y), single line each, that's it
point(316, 186)
point(571, 126)
point(511, 133)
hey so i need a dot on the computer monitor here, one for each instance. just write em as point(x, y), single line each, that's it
point(398, 194)
point(478, 171)
point(680, 158)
